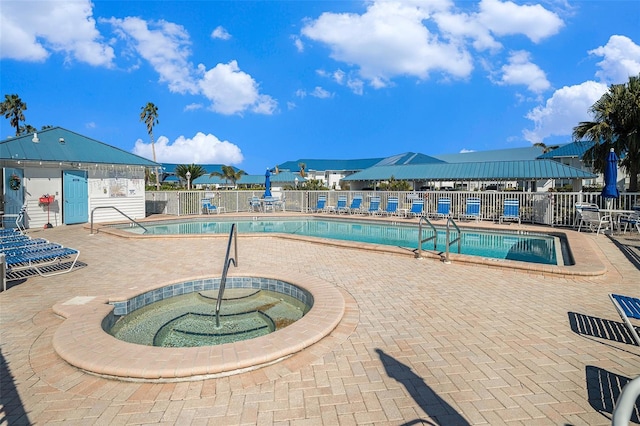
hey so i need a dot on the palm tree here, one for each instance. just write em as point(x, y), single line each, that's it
point(195, 170)
point(12, 108)
point(546, 148)
point(149, 116)
point(229, 174)
point(302, 169)
point(616, 125)
point(27, 128)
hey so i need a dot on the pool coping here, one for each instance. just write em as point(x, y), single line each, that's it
point(82, 342)
point(587, 262)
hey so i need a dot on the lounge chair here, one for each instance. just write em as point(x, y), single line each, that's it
point(356, 205)
point(579, 207)
point(592, 219)
point(36, 258)
point(511, 210)
point(443, 209)
point(392, 206)
point(208, 208)
point(321, 204)
point(628, 308)
point(472, 210)
point(254, 204)
point(632, 219)
point(417, 208)
point(342, 204)
point(374, 206)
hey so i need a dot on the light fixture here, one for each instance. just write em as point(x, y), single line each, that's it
point(35, 138)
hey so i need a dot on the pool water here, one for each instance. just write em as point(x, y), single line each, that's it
point(522, 246)
point(189, 320)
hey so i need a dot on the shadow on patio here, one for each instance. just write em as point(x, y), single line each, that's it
point(598, 327)
point(603, 390)
point(432, 404)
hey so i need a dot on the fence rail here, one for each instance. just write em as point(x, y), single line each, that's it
point(550, 208)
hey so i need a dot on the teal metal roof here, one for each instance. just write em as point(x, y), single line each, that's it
point(311, 164)
point(510, 154)
point(60, 145)
point(408, 158)
point(574, 149)
point(491, 170)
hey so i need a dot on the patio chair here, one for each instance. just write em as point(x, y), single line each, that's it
point(511, 210)
point(342, 204)
point(254, 204)
point(374, 206)
point(417, 208)
point(208, 208)
point(321, 204)
point(279, 203)
point(628, 308)
point(392, 206)
point(579, 207)
point(592, 219)
point(356, 205)
point(472, 210)
point(443, 209)
point(632, 219)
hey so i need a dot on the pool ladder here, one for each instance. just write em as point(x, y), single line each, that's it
point(434, 237)
point(233, 236)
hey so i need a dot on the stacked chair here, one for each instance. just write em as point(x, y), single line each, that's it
point(21, 253)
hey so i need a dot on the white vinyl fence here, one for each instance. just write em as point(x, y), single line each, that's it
point(550, 208)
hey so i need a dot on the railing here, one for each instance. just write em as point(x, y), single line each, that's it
point(119, 211)
point(434, 237)
point(448, 243)
point(233, 236)
point(550, 208)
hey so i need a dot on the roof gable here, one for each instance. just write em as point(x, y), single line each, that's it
point(574, 149)
point(60, 145)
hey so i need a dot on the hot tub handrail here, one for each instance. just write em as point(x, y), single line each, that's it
point(434, 237)
point(233, 236)
point(119, 211)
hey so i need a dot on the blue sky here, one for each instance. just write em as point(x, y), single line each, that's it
point(255, 84)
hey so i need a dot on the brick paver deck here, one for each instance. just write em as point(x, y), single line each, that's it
point(421, 342)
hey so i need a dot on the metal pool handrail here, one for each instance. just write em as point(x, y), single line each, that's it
point(118, 210)
point(434, 237)
point(448, 244)
point(233, 236)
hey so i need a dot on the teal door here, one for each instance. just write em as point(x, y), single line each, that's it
point(13, 195)
point(75, 195)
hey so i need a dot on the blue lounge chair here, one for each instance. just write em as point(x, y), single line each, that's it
point(342, 204)
point(36, 258)
point(472, 210)
point(417, 208)
point(209, 208)
point(628, 308)
point(374, 206)
point(320, 205)
point(511, 210)
point(356, 205)
point(392, 206)
point(444, 207)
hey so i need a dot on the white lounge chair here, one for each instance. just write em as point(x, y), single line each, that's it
point(592, 219)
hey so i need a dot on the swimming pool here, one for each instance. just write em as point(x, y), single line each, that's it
point(521, 246)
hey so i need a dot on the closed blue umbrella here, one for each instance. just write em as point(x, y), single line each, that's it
point(267, 184)
point(610, 189)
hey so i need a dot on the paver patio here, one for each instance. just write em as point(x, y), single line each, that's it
point(422, 342)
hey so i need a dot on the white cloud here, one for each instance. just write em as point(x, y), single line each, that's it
point(563, 111)
point(220, 33)
point(165, 46)
point(520, 70)
point(201, 149)
point(66, 27)
point(321, 93)
point(621, 59)
point(464, 150)
point(300, 93)
point(193, 107)
point(232, 91)
point(389, 40)
point(298, 43)
point(462, 25)
point(507, 18)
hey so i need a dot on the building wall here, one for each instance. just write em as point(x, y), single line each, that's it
point(119, 186)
